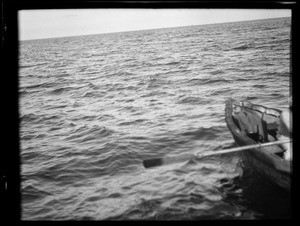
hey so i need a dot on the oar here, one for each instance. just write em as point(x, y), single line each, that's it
point(148, 163)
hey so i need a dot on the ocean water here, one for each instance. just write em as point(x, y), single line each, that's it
point(92, 108)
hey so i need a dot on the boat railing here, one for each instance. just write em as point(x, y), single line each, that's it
point(259, 108)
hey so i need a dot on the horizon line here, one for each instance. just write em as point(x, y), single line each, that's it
point(115, 32)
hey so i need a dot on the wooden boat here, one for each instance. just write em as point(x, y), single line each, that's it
point(252, 124)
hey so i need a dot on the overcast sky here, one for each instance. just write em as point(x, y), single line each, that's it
point(37, 24)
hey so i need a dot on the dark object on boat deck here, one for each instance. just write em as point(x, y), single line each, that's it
point(252, 124)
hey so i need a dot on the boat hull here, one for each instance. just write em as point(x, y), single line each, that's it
point(263, 160)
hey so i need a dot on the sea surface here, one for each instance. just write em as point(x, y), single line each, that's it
point(93, 107)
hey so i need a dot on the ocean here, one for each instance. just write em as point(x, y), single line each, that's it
point(93, 107)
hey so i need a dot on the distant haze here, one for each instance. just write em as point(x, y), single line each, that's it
point(38, 24)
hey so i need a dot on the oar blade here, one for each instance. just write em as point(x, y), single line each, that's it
point(149, 163)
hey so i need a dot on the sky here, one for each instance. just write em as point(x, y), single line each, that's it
point(38, 24)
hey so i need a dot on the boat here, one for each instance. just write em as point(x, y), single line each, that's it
point(252, 124)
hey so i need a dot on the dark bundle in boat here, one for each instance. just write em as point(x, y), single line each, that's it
point(252, 124)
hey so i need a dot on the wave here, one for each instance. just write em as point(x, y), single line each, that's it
point(280, 41)
point(243, 47)
point(260, 86)
point(199, 81)
point(30, 117)
point(134, 122)
point(89, 94)
point(31, 193)
point(40, 85)
point(84, 133)
point(105, 117)
point(28, 137)
point(217, 72)
point(59, 91)
point(32, 65)
point(208, 81)
point(92, 86)
point(32, 136)
point(28, 156)
point(124, 73)
point(205, 133)
point(194, 100)
point(23, 92)
point(161, 64)
point(277, 95)
point(173, 63)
